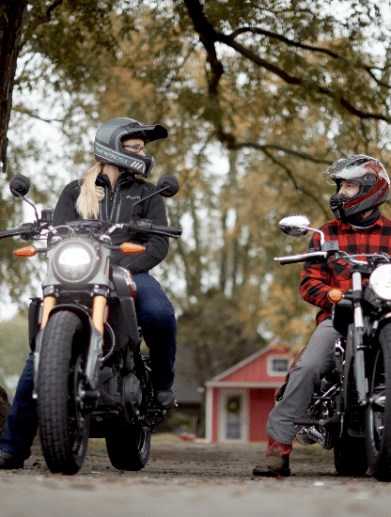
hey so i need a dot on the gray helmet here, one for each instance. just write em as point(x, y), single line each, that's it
point(109, 147)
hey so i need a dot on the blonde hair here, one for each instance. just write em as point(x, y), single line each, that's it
point(87, 204)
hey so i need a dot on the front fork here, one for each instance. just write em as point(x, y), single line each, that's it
point(95, 353)
point(357, 344)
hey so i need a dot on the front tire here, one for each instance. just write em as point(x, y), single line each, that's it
point(350, 455)
point(63, 422)
point(378, 412)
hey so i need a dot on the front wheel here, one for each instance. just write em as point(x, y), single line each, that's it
point(378, 412)
point(349, 455)
point(63, 422)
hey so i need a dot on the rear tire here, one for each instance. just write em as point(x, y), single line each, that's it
point(128, 445)
point(63, 423)
point(378, 413)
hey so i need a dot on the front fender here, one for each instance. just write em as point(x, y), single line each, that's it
point(92, 336)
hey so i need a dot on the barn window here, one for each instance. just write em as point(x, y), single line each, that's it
point(279, 365)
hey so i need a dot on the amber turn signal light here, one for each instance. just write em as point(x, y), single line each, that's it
point(26, 251)
point(335, 295)
point(129, 247)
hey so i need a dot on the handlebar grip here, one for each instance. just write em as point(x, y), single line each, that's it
point(166, 229)
point(10, 233)
point(287, 260)
point(305, 257)
point(173, 230)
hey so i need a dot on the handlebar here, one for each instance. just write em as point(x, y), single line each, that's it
point(144, 226)
point(333, 256)
point(31, 230)
point(293, 259)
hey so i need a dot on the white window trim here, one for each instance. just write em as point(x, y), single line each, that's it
point(270, 371)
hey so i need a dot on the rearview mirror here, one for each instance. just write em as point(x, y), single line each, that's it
point(19, 186)
point(295, 225)
point(168, 185)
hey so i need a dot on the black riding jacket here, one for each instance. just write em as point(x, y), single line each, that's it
point(116, 207)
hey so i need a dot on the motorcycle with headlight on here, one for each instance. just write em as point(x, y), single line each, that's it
point(350, 410)
point(90, 377)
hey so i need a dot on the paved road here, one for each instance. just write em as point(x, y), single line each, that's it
point(193, 480)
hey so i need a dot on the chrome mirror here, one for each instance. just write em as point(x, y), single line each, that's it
point(295, 225)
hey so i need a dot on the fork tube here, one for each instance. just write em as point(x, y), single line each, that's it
point(98, 309)
point(358, 340)
point(49, 302)
point(357, 286)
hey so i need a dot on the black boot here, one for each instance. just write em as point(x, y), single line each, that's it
point(166, 398)
point(9, 461)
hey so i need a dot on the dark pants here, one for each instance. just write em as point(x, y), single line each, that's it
point(156, 317)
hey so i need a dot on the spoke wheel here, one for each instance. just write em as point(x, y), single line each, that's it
point(62, 417)
point(378, 413)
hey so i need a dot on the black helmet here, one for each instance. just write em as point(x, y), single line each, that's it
point(109, 147)
point(369, 174)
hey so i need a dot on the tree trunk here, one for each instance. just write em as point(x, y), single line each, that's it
point(12, 13)
point(4, 408)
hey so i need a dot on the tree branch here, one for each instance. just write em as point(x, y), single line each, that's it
point(298, 188)
point(265, 147)
point(334, 55)
point(296, 81)
point(209, 36)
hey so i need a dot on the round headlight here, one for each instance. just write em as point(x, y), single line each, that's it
point(74, 262)
point(380, 282)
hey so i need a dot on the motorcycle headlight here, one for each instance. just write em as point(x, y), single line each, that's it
point(75, 262)
point(380, 282)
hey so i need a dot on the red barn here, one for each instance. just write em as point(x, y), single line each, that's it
point(239, 400)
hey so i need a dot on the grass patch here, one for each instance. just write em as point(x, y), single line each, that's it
point(97, 444)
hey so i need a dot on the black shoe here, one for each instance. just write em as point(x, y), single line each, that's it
point(166, 398)
point(8, 461)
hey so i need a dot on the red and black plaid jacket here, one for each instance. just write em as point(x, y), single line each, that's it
point(318, 279)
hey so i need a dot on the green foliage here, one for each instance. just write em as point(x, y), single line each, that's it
point(182, 421)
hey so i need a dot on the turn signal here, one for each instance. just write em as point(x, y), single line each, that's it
point(129, 247)
point(335, 295)
point(26, 251)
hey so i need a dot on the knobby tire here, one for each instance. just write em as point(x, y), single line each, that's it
point(64, 430)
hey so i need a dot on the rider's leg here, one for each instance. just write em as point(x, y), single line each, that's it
point(317, 359)
point(156, 317)
point(22, 421)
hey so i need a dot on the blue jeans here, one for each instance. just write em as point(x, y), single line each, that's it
point(156, 317)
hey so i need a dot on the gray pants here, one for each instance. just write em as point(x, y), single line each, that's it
point(317, 359)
